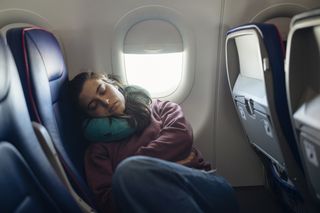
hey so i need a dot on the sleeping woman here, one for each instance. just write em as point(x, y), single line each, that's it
point(121, 122)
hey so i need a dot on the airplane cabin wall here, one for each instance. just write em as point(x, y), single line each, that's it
point(85, 29)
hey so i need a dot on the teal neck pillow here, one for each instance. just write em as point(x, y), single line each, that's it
point(107, 129)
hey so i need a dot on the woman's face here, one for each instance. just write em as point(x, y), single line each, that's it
point(99, 98)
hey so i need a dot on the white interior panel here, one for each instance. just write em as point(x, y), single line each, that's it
point(153, 36)
point(85, 29)
point(249, 56)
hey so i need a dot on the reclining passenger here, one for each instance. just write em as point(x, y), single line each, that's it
point(165, 174)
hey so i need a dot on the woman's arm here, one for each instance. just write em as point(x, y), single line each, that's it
point(175, 139)
point(99, 173)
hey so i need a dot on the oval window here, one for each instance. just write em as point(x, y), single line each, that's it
point(153, 57)
point(154, 48)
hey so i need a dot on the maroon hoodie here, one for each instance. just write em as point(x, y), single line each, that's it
point(168, 137)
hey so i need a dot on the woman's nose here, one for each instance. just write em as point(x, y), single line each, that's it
point(105, 101)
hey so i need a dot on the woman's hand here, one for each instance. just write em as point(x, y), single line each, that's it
point(188, 159)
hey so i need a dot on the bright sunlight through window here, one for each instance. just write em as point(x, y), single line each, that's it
point(160, 74)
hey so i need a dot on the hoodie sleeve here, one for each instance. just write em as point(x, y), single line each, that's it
point(99, 173)
point(175, 138)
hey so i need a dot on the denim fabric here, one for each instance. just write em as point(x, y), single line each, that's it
point(145, 184)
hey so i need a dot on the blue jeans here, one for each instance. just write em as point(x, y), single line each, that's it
point(145, 184)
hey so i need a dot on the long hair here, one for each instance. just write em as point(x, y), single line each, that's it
point(137, 100)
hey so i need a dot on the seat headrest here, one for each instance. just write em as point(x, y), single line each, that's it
point(305, 15)
point(49, 50)
point(265, 31)
point(4, 85)
point(269, 34)
point(39, 58)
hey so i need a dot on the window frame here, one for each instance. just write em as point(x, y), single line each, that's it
point(156, 12)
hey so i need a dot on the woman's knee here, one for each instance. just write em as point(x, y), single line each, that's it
point(132, 169)
point(133, 165)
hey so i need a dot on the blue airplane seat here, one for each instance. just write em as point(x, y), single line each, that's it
point(28, 182)
point(271, 40)
point(255, 69)
point(44, 78)
point(303, 89)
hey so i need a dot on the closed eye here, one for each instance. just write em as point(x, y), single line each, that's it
point(101, 89)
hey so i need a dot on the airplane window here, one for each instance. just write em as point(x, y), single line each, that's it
point(158, 73)
point(154, 48)
point(153, 57)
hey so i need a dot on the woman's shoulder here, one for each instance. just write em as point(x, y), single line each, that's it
point(163, 106)
point(163, 103)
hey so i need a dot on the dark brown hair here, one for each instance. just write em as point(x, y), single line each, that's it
point(137, 100)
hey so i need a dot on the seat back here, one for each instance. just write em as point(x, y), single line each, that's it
point(303, 89)
point(28, 182)
point(44, 77)
point(255, 68)
point(256, 77)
